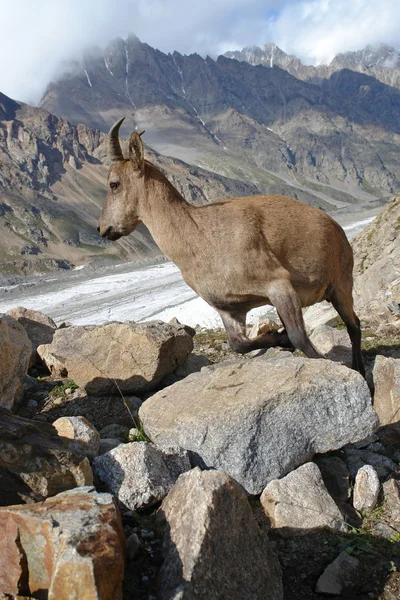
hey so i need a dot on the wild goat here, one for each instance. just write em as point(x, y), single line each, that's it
point(238, 253)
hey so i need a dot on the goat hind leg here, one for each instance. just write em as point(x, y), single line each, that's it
point(343, 303)
point(287, 303)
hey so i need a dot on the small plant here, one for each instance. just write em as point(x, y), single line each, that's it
point(140, 436)
point(60, 390)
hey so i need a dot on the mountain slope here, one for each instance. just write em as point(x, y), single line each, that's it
point(338, 141)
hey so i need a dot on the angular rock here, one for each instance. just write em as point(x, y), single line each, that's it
point(377, 267)
point(264, 326)
point(213, 547)
point(15, 354)
point(38, 460)
point(300, 503)
point(319, 314)
point(107, 444)
point(119, 432)
point(339, 575)
point(133, 545)
point(336, 477)
point(259, 419)
point(70, 546)
point(366, 489)
point(333, 343)
point(386, 376)
point(355, 459)
point(84, 436)
point(391, 492)
point(39, 327)
point(193, 364)
point(368, 441)
point(139, 474)
point(117, 357)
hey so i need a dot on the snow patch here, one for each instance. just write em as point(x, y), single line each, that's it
point(107, 67)
point(88, 79)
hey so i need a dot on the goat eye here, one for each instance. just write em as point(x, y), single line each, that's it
point(114, 185)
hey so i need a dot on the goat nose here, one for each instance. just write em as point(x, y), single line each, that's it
point(98, 228)
point(105, 233)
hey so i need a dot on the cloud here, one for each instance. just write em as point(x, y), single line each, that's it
point(37, 37)
point(317, 30)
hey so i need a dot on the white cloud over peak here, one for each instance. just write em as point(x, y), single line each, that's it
point(38, 36)
point(317, 30)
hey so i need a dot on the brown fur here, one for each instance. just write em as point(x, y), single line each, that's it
point(240, 253)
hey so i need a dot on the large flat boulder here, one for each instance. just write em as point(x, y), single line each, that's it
point(15, 354)
point(259, 419)
point(213, 547)
point(128, 357)
point(70, 546)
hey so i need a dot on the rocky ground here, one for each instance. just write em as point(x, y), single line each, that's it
point(148, 461)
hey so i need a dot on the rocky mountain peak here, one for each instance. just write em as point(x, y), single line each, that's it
point(380, 55)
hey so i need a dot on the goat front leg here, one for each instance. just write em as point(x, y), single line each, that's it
point(235, 325)
point(287, 303)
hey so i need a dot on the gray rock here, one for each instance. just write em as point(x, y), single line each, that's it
point(15, 355)
point(139, 474)
point(371, 439)
point(116, 431)
point(264, 325)
point(107, 444)
point(133, 546)
point(336, 477)
point(300, 503)
point(391, 492)
point(259, 419)
point(355, 459)
point(338, 576)
point(39, 327)
point(213, 547)
point(319, 314)
point(33, 454)
point(377, 267)
point(193, 364)
point(386, 376)
point(333, 343)
point(366, 489)
point(84, 436)
point(117, 357)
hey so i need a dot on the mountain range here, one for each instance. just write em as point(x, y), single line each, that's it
point(254, 121)
point(381, 61)
point(338, 137)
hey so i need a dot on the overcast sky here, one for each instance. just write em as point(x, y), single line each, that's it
point(37, 35)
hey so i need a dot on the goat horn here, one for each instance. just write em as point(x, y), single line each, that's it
point(142, 132)
point(114, 148)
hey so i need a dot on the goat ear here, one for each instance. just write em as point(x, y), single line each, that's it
point(136, 153)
